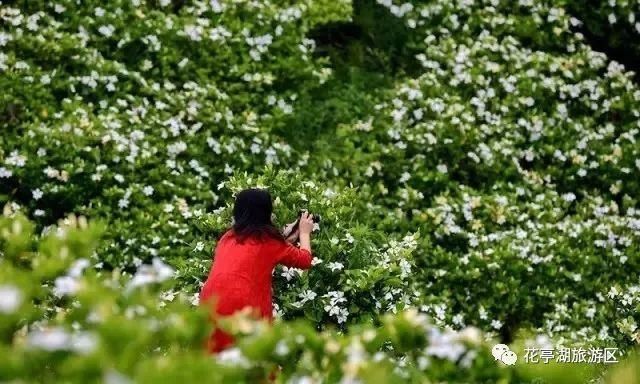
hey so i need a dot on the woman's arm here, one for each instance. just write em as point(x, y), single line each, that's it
point(295, 257)
point(305, 228)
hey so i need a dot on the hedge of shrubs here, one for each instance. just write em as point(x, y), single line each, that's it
point(518, 167)
point(96, 326)
point(485, 176)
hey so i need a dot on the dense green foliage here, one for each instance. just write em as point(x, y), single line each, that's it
point(474, 160)
point(610, 25)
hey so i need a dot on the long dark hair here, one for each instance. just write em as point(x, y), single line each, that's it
point(252, 216)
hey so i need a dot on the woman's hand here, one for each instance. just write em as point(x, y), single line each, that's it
point(306, 223)
point(305, 228)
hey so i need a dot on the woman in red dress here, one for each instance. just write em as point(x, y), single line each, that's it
point(244, 259)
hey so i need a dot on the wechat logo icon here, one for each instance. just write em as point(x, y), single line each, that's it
point(503, 353)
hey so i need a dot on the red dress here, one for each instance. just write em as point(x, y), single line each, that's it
point(240, 277)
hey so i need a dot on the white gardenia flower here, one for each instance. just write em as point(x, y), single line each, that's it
point(51, 339)
point(329, 193)
point(157, 272)
point(66, 285)
point(10, 298)
point(282, 349)
point(333, 307)
point(5, 173)
point(147, 190)
point(482, 313)
point(83, 342)
point(37, 194)
point(336, 296)
point(349, 238)
point(176, 148)
point(57, 339)
point(195, 299)
point(107, 30)
point(78, 267)
point(302, 380)
point(342, 315)
point(308, 295)
point(168, 296)
point(16, 159)
point(335, 266)
point(4, 38)
point(290, 273)
point(471, 334)
point(444, 345)
point(405, 268)
point(114, 377)
point(232, 356)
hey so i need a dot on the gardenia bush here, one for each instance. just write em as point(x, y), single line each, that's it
point(95, 326)
point(92, 326)
point(477, 166)
point(135, 111)
point(357, 273)
point(516, 165)
point(614, 22)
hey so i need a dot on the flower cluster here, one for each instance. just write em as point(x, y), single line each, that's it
point(353, 266)
point(105, 330)
point(154, 106)
point(514, 155)
point(487, 177)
